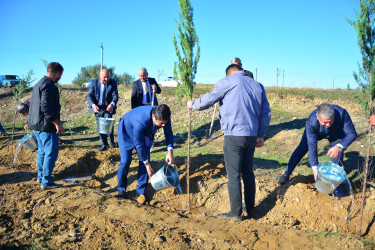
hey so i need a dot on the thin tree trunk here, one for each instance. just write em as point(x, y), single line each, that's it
point(188, 162)
point(364, 184)
point(14, 124)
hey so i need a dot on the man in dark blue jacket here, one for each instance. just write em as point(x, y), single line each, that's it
point(137, 129)
point(330, 122)
point(103, 97)
point(44, 119)
point(142, 90)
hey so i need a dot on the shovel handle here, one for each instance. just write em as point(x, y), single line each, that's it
point(212, 121)
point(153, 97)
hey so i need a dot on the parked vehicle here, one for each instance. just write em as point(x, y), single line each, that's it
point(9, 80)
point(171, 82)
point(87, 84)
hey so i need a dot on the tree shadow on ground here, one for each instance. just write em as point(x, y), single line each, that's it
point(200, 132)
point(16, 177)
point(87, 164)
point(277, 128)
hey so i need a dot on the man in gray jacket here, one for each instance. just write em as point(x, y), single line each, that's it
point(244, 117)
point(44, 119)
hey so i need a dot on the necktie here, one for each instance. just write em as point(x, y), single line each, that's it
point(147, 94)
point(155, 128)
point(103, 95)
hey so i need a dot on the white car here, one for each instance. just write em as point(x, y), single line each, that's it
point(87, 84)
point(171, 82)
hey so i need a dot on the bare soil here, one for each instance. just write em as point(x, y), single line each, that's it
point(88, 215)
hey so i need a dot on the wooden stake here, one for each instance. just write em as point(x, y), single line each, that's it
point(188, 162)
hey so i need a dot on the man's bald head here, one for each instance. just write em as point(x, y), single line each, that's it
point(237, 61)
point(105, 76)
point(231, 69)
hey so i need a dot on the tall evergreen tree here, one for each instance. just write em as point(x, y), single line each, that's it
point(186, 66)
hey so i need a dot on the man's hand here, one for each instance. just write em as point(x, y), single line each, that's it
point(372, 120)
point(26, 127)
point(153, 86)
point(110, 108)
point(149, 170)
point(169, 157)
point(315, 172)
point(188, 105)
point(334, 152)
point(59, 127)
point(95, 108)
point(259, 143)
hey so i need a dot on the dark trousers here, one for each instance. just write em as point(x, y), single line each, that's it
point(303, 148)
point(123, 167)
point(238, 157)
point(103, 137)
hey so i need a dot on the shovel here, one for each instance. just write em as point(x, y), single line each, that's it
point(209, 132)
point(153, 97)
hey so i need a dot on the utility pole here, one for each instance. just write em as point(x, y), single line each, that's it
point(283, 77)
point(101, 62)
point(277, 77)
point(160, 72)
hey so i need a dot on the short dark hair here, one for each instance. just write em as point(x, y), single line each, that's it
point(232, 68)
point(22, 107)
point(162, 112)
point(54, 67)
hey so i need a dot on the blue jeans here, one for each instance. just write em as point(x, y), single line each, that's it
point(48, 149)
point(238, 157)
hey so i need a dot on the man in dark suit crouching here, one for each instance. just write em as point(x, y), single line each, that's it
point(330, 122)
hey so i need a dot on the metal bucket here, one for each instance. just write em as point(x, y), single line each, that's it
point(29, 141)
point(106, 125)
point(330, 176)
point(166, 177)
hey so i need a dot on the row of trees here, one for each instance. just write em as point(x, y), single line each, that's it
point(90, 72)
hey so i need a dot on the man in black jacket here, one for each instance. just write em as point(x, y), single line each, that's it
point(142, 90)
point(44, 119)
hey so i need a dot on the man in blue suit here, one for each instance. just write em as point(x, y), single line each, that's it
point(136, 129)
point(142, 90)
point(330, 122)
point(103, 97)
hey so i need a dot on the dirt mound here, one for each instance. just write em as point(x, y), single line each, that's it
point(87, 214)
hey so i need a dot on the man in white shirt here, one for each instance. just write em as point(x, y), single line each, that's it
point(103, 97)
point(143, 90)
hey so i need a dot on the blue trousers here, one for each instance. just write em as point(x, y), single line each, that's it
point(302, 150)
point(48, 149)
point(123, 167)
point(2, 131)
point(238, 157)
point(103, 137)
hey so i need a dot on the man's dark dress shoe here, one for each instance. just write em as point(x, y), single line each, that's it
point(103, 148)
point(284, 178)
point(113, 145)
point(121, 194)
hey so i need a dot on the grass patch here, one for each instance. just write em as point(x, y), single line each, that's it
point(337, 94)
